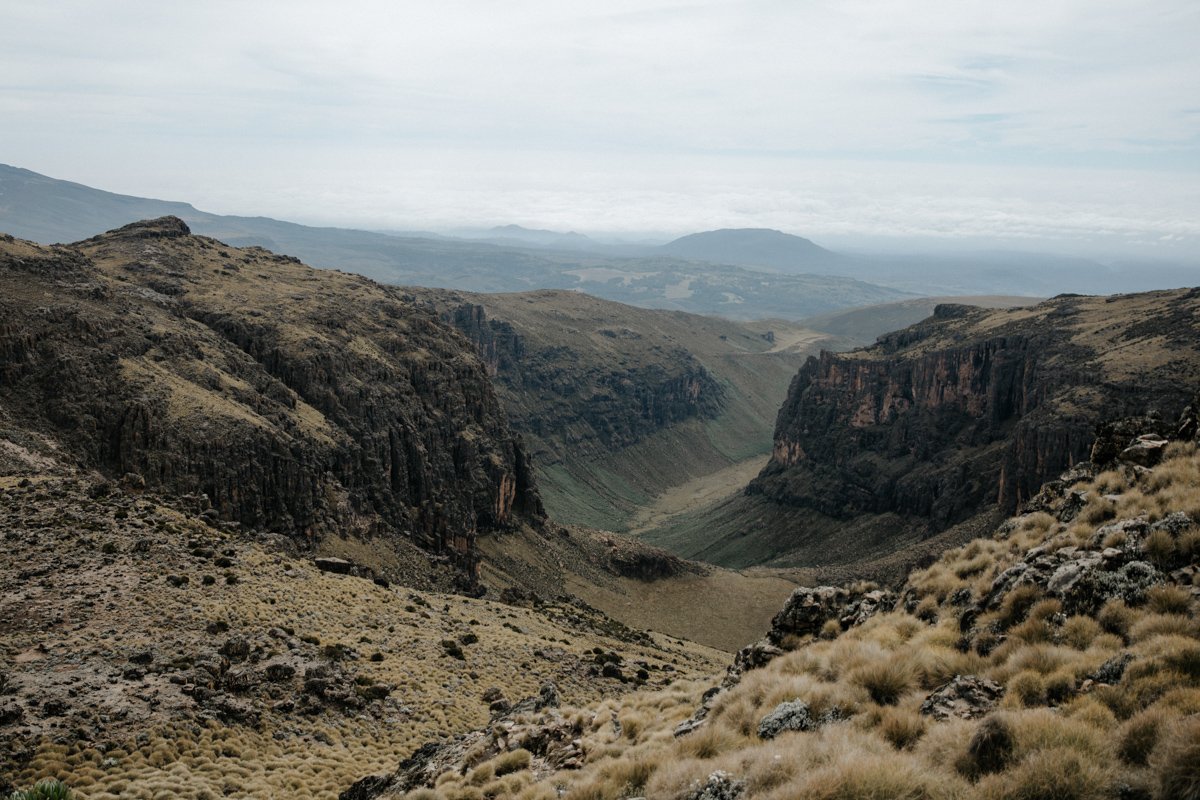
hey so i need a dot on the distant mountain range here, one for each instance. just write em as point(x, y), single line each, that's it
point(46, 210)
point(747, 273)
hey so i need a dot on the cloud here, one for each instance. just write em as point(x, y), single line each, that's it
point(464, 106)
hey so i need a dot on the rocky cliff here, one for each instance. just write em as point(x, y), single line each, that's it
point(299, 401)
point(976, 408)
point(619, 404)
point(594, 407)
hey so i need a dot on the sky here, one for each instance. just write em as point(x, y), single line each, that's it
point(1052, 124)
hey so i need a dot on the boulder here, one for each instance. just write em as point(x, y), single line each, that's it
point(1145, 451)
point(10, 712)
point(792, 715)
point(338, 566)
point(279, 671)
point(719, 786)
point(964, 697)
point(808, 609)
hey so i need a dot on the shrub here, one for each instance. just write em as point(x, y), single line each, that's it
point(1017, 604)
point(990, 749)
point(1054, 774)
point(1160, 548)
point(512, 761)
point(45, 790)
point(875, 778)
point(1116, 617)
point(1168, 600)
point(1189, 545)
point(885, 680)
point(1140, 735)
point(1026, 688)
point(1079, 632)
point(902, 728)
point(1176, 762)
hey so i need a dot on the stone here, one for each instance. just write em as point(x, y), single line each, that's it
point(368, 788)
point(236, 648)
point(548, 696)
point(792, 715)
point(1145, 451)
point(240, 679)
point(279, 671)
point(719, 786)
point(1112, 670)
point(964, 697)
point(1175, 523)
point(338, 566)
point(10, 711)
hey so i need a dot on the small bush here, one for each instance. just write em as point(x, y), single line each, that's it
point(885, 680)
point(1140, 735)
point(1160, 548)
point(1188, 545)
point(1168, 600)
point(1017, 604)
point(1054, 774)
point(1116, 617)
point(45, 790)
point(1026, 688)
point(875, 778)
point(990, 749)
point(1079, 632)
point(512, 761)
point(1176, 762)
point(901, 728)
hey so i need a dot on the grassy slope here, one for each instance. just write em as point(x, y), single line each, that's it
point(1056, 733)
point(70, 629)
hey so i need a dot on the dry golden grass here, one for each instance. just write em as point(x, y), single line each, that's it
point(1054, 737)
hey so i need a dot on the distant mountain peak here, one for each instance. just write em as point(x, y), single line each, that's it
point(753, 247)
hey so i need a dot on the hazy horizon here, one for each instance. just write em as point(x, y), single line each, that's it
point(1064, 127)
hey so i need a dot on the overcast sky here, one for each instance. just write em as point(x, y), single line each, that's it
point(1045, 123)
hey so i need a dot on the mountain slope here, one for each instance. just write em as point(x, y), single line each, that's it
point(754, 247)
point(306, 402)
point(862, 326)
point(1055, 657)
point(941, 425)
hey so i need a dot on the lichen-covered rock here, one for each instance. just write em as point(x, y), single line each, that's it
point(964, 697)
point(808, 609)
point(719, 786)
point(791, 715)
point(1145, 451)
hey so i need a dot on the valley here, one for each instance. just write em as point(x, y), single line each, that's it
point(275, 528)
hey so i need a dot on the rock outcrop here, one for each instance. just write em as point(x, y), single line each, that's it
point(560, 394)
point(974, 409)
point(289, 399)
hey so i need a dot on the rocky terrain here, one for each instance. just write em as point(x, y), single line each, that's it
point(943, 425)
point(1057, 657)
point(305, 402)
point(147, 651)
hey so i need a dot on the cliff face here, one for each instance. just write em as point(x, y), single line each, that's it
point(300, 401)
point(973, 407)
point(568, 395)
